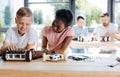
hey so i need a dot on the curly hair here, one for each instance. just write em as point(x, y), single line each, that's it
point(65, 16)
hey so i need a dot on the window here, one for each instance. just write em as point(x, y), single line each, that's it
point(43, 11)
point(117, 12)
point(8, 10)
point(52, 1)
point(90, 10)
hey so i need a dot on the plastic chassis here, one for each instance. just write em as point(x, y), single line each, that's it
point(17, 55)
point(53, 57)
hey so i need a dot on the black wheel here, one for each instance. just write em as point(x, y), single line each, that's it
point(29, 56)
point(4, 56)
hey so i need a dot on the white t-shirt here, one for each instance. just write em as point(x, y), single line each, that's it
point(101, 30)
point(13, 37)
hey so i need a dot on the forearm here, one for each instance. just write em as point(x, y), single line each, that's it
point(115, 36)
point(65, 45)
point(29, 46)
point(44, 43)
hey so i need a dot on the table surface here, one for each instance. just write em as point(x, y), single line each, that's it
point(94, 43)
point(95, 66)
point(97, 62)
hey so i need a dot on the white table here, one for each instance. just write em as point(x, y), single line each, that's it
point(94, 43)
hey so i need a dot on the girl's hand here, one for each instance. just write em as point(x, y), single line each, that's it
point(45, 50)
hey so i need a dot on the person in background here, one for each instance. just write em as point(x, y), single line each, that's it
point(105, 29)
point(58, 36)
point(80, 30)
point(22, 36)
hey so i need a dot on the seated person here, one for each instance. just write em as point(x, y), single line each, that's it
point(103, 30)
point(58, 36)
point(80, 30)
point(22, 36)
